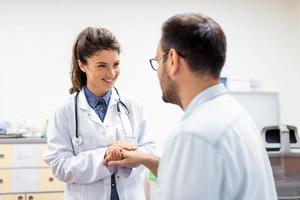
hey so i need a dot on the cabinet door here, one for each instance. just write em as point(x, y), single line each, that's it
point(46, 196)
point(26, 155)
point(6, 155)
point(5, 181)
point(47, 182)
point(12, 197)
point(43, 148)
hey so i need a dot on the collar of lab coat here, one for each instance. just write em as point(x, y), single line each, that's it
point(84, 105)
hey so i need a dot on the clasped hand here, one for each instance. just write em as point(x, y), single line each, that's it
point(121, 154)
point(114, 152)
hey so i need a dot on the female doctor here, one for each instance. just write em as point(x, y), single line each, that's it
point(94, 122)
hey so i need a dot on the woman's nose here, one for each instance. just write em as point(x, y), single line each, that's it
point(111, 72)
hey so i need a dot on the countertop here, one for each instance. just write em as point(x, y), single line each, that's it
point(23, 140)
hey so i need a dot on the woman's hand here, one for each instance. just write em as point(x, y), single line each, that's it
point(130, 159)
point(114, 152)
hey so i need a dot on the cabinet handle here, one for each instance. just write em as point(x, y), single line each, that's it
point(51, 179)
point(30, 198)
point(2, 156)
point(1, 180)
point(20, 197)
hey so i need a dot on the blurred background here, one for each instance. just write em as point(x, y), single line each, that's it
point(36, 39)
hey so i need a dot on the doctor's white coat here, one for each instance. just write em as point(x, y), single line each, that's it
point(81, 166)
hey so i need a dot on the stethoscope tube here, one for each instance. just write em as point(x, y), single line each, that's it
point(120, 102)
point(76, 116)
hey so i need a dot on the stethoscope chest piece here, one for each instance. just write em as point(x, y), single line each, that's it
point(77, 140)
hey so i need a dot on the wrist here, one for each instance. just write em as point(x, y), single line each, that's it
point(145, 158)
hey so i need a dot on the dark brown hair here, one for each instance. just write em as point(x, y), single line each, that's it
point(198, 39)
point(87, 43)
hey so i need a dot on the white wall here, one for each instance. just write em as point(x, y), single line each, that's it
point(36, 39)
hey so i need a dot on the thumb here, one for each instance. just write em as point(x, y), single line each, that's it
point(128, 147)
point(116, 163)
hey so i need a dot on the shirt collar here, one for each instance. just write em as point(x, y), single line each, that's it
point(203, 96)
point(93, 100)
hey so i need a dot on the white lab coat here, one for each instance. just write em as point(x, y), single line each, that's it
point(81, 166)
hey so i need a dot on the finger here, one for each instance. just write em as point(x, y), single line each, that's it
point(119, 154)
point(124, 153)
point(107, 152)
point(106, 160)
point(116, 163)
point(128, 147)
point(116, 154)
point(113, 153)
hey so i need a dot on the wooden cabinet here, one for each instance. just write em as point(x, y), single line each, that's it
point(12, 197)
point(45, 196)
point(23, 173)
point(6, 155)
point(5, 180)
point(47, 182)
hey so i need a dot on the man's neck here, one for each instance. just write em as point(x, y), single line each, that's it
point(193, 87)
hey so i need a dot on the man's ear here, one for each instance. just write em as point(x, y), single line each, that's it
point(81, 65)
point(173, 62)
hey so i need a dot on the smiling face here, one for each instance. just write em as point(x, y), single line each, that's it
point(102, 71)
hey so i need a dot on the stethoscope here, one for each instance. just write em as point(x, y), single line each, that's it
point(77, 140)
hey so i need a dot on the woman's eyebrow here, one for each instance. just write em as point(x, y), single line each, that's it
point(101, 63)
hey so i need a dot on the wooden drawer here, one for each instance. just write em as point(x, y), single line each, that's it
point(26, 155)
point(46, 196)
point(22, 155)
point(12, 197)
point(47, 182)
point(5, 181)
point(6, 155)
point(26, 180)
point(43, 148)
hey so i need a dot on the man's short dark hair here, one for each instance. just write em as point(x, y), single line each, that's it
point(198, 39)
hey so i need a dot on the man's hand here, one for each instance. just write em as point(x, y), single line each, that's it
point(119, 145)
point(131, 159)
point(114, 151)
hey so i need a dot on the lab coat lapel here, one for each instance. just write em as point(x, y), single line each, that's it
point(112, 102)
point(86, 108)
point(91, 114)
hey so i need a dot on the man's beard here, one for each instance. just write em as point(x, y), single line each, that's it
point(169, 90)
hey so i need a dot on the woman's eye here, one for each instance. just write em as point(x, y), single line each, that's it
point(101, 66)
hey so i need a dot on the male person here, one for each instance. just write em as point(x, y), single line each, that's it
point(215, 152)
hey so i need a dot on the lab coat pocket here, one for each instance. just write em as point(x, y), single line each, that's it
point(130, 140)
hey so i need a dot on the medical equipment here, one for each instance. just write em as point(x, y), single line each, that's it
point(283, 147)
point(124, 117)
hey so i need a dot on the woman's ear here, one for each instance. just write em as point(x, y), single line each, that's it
point(81, 65)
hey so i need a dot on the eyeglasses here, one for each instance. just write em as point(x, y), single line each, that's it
point(154, 61)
